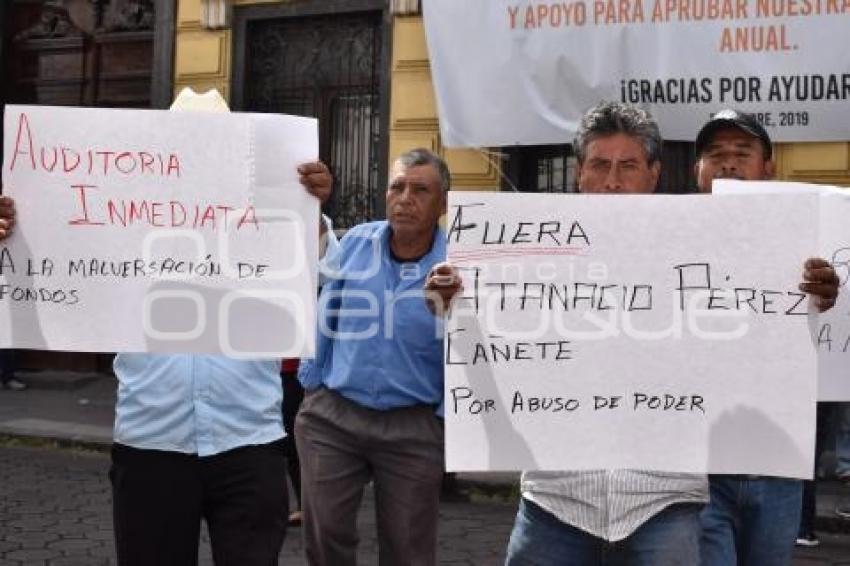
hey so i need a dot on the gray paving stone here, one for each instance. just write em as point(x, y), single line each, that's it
point(76, 561)
point(65, 545)
point(28, 539)
point(29, 555)
point(73, 525)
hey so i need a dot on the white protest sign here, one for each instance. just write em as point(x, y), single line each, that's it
point(833, 326)
point(650, 332)
point(158, 231)
point(529, 69)
point(831, 329)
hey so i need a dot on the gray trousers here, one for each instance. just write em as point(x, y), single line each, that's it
point(343, 446)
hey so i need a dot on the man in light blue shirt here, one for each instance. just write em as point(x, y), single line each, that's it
point(375, 387)
point(201, 437)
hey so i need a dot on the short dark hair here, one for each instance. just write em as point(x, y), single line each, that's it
point(422, 156)
point(609, 118)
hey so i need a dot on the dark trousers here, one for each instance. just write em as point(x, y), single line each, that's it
point(7, 364)
point(159, 499)
point(343, 446)
point(293, 394)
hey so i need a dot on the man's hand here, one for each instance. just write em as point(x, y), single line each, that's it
point(821, 281)
point(7, 216)
point(317, 179)
point(441, 286)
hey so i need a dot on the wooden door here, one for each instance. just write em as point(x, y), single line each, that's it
point(84, 53)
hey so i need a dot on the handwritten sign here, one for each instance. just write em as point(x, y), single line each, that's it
point(651, 332)
point(158, 231)
point(830, 330)
point(530, 68)
point(833, 326)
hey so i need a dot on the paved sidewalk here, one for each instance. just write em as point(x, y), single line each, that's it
point(55, 511)
point(54, 504)
point(61, 405)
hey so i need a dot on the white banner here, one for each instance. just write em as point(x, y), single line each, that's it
point(158, 231)
point(510, 72)
point(650, 332)
point(831, 330)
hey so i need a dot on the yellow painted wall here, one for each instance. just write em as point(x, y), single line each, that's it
point(203, 61)
point(827, 163)
point(202, 57)
point(413, 111)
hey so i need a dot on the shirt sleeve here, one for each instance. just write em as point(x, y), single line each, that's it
point(329, 252)
point(310, 372)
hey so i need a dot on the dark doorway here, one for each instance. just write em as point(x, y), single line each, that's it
point(104, 53)
point(552, 168)
point(540, 169)
point(326, 60)
point(112, 53)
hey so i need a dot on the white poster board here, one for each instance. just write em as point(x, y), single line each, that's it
point(155, 231)
point(831, 329)
point(650, 332)
point(833, 326)
point(528, 70)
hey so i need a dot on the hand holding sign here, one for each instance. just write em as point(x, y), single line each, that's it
point(7, 216)
point(820, 280)
point(441, 286)
point(317, 179)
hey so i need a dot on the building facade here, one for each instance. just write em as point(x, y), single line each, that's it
point(360, 66)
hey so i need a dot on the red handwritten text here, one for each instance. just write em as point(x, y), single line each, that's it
point(158, 214)
point(91, 161)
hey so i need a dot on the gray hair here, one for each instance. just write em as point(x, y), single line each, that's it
point(610, 118)
point(422, 156)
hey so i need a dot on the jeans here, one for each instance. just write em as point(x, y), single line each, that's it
point(670, 538)
point(842, 441)
point(751, 521)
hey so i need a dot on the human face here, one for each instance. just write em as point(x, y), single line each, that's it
point(617, 164)
point(732, 154)
point(415, 201)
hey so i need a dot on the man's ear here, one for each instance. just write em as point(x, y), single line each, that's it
point(655, 169)
point(769, 169)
